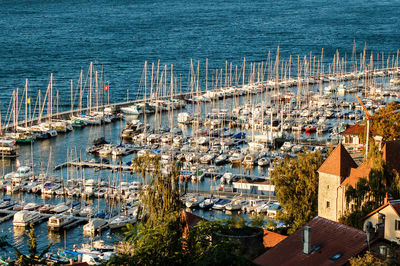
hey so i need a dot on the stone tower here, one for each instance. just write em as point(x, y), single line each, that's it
point(331, 194)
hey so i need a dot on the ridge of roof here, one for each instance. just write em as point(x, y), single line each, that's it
point(395, 204)
point(356, 174)
point(338, 163)
point(328, 239)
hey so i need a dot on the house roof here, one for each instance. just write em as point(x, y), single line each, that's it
point(355, 130)
point(328, 238)
point(357, 173)
point(271, 239)
point(391, 154)
point(191, 219)
point(395, 204)
point(338, 163)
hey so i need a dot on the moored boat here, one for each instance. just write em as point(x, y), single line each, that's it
point(59, 221)
point(94, 225)
point(25, 218)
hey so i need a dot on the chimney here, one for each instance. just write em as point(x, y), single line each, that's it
point(387, 198)
point(307, 240)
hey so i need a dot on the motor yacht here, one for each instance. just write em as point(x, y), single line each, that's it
point(59, 221)
point(25, 218)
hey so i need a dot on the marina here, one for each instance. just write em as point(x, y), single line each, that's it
point(227, 141)
point(97, 100)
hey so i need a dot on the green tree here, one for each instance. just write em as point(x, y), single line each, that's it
point(160, 237)
point(153, 245)
point(161, 196)
point(200, 249)
point(367, 259)
point(33, 258)
point(296, 187)
point(387, 126)
point(370, 192)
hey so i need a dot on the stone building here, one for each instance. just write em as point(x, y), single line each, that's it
point(339, 171)
point(331, 193)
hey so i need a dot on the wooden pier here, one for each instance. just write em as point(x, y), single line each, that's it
point(113, 167)
point(128, 168)
point(9, 214)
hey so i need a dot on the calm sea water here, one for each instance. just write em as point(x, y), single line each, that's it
point(62, 37)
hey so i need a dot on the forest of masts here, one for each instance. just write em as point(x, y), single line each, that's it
point(160, 81)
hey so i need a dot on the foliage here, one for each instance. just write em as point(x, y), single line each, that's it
point(32, 258)
point(200, 249)
point(164, 245)
point(156, 245)
point(159, 238)
point(161, 196)
point(296, 186)
point(234, 221)
point(387, 126)
point(370, 192)
point(367, 260)
point(257, 220)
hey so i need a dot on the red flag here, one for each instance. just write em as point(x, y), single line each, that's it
point(106, 88)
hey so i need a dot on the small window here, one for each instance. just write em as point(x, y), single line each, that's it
point(328, 204)
point(316, 248)
point(335, 257)
point(397, 225)
point(327, 186)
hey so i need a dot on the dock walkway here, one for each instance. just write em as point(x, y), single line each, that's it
point(266, 85)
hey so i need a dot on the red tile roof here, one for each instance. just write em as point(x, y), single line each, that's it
point(191, 219)
point(355, 130)
point(356, 173)
point(338, 163)
point(271, 239)
point(332, 238)
point(391, 155)
point(395, 204)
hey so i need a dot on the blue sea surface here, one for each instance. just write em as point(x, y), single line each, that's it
point(62, 37)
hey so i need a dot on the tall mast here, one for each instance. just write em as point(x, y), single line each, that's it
point(90, 87)
point(80, 91)
point(57, 103)
point(40, 113)
point(152, 80)
point(144, 108)
point(51, 96)
point(97, 92)
point(102, 92)
point(206, 74)
point(72, 97)
point(171, 103)
point(26, 103)
point(244, 69)
point(14, 110)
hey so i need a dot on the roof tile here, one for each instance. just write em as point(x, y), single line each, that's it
point(338, 163)
point(271, 239)
point(332, 238)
